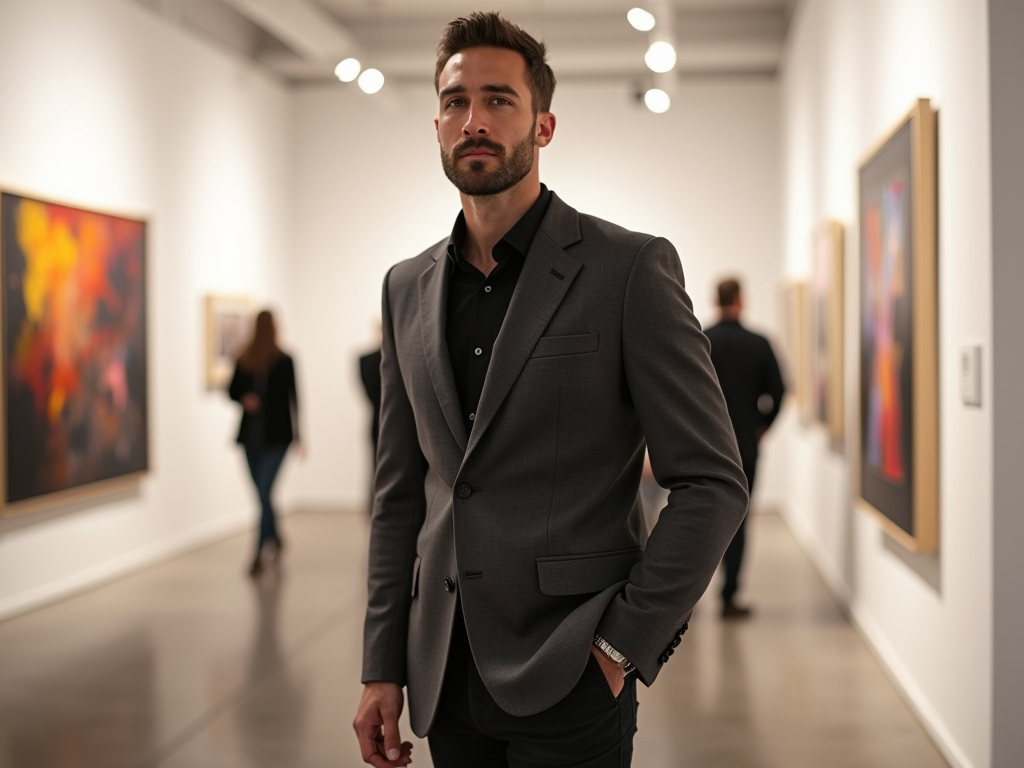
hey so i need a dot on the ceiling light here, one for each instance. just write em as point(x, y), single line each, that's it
point(661, 56)
point(371, 81)
point(640, 19)
point(657, 101)
point(348, 70)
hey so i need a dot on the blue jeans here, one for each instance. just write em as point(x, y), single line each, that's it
point(264, 462)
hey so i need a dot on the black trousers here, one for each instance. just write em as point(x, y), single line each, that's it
point(733, 560)
point(589, 728)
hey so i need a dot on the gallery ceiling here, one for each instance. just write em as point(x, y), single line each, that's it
point(301, 41)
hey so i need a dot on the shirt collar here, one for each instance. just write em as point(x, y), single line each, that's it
point(518, 239)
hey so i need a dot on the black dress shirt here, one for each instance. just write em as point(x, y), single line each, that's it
point(477, 304)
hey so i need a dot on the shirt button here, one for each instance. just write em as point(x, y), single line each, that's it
point(449, 585)
point(463, 490)
point(472, 416)
point(487, 289)
point(478, 351)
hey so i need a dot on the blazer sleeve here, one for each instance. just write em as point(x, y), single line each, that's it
point(772, 384)
point(239, 385)
point(667, 360)
point(399, 508)
point(293, 398)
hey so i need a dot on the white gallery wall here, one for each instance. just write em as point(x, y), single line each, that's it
point(853, 68)
point(369, 192)
point(109, 107)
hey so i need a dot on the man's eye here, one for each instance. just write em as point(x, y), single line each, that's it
point(456, 103)
point(501, 102)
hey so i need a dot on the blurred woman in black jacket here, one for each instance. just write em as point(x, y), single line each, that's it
point(264, 383)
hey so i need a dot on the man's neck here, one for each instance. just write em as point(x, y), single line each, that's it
point(729, 316)
point(488, 218)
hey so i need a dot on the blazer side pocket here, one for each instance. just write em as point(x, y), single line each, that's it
point(415, 576)
point(580, 574)
point(557, 346)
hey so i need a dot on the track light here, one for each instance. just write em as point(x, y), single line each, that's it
point(657, 101)
point(348, 70)
point(641, 19)
point(371, 81)
point(661, 56)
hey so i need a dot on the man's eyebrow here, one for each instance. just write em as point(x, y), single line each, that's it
point(500, 88)
point(496, 88)
point(452, 89)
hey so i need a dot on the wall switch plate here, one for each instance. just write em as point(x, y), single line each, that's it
point(970, 375)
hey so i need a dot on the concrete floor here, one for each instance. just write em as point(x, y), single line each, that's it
point(192, 664)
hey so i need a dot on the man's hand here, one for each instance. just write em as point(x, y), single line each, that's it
point(612, 671)
point(376, 726)
point(251, 402)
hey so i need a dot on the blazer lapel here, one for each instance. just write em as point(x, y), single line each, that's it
point(547, 274)
point(434, 312)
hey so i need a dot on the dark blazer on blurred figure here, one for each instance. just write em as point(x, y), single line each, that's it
point(532, 517)
point(747, 370)
point(369, 372)
point(272, 424)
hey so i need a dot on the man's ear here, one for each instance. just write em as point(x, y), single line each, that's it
point(545, 131)
point(437, 129)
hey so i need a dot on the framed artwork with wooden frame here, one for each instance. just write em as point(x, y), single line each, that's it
point(74, 352)
point(825, 326)
point(898, 398)
point(794, 339)
point(228, 328)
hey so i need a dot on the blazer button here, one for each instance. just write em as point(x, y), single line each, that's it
point(449, 585)
point(463, 490)
point(676, 642)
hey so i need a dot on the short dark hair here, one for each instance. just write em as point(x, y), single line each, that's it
point(494, 30)
point(728, 292)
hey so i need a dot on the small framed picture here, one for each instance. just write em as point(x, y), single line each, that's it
point(228, 329)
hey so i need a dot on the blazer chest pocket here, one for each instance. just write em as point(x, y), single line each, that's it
point(559, 346)
point(580, 574)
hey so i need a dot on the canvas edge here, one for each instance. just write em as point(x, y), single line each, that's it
point(926, 369)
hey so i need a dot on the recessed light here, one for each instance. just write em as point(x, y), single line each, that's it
point(371, 81)
point(641, 19)
point(661, 56)
point(348, 70)
point(657, 101)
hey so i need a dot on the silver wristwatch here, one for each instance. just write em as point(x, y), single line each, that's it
point(609, 650)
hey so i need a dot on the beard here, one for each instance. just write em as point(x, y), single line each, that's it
point(474, 181)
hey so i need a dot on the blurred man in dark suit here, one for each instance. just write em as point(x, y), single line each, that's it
point(369, 373)
point(752, 384)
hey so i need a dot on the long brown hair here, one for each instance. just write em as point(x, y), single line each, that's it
point(262, 352)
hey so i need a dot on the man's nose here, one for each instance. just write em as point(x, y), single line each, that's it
point(475, 126)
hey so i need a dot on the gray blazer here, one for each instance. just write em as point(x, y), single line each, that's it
point(533, 518)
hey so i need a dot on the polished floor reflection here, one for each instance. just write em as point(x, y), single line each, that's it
point(191, 663)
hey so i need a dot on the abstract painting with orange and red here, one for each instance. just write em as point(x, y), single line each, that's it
point(74, 347)
point(887, 330)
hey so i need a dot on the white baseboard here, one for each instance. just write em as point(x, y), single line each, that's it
point(905, 683)
point(122, 565)
point(878, 643)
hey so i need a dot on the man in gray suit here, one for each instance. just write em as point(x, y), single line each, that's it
point(527, 360)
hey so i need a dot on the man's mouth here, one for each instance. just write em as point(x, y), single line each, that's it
point(477, 154)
